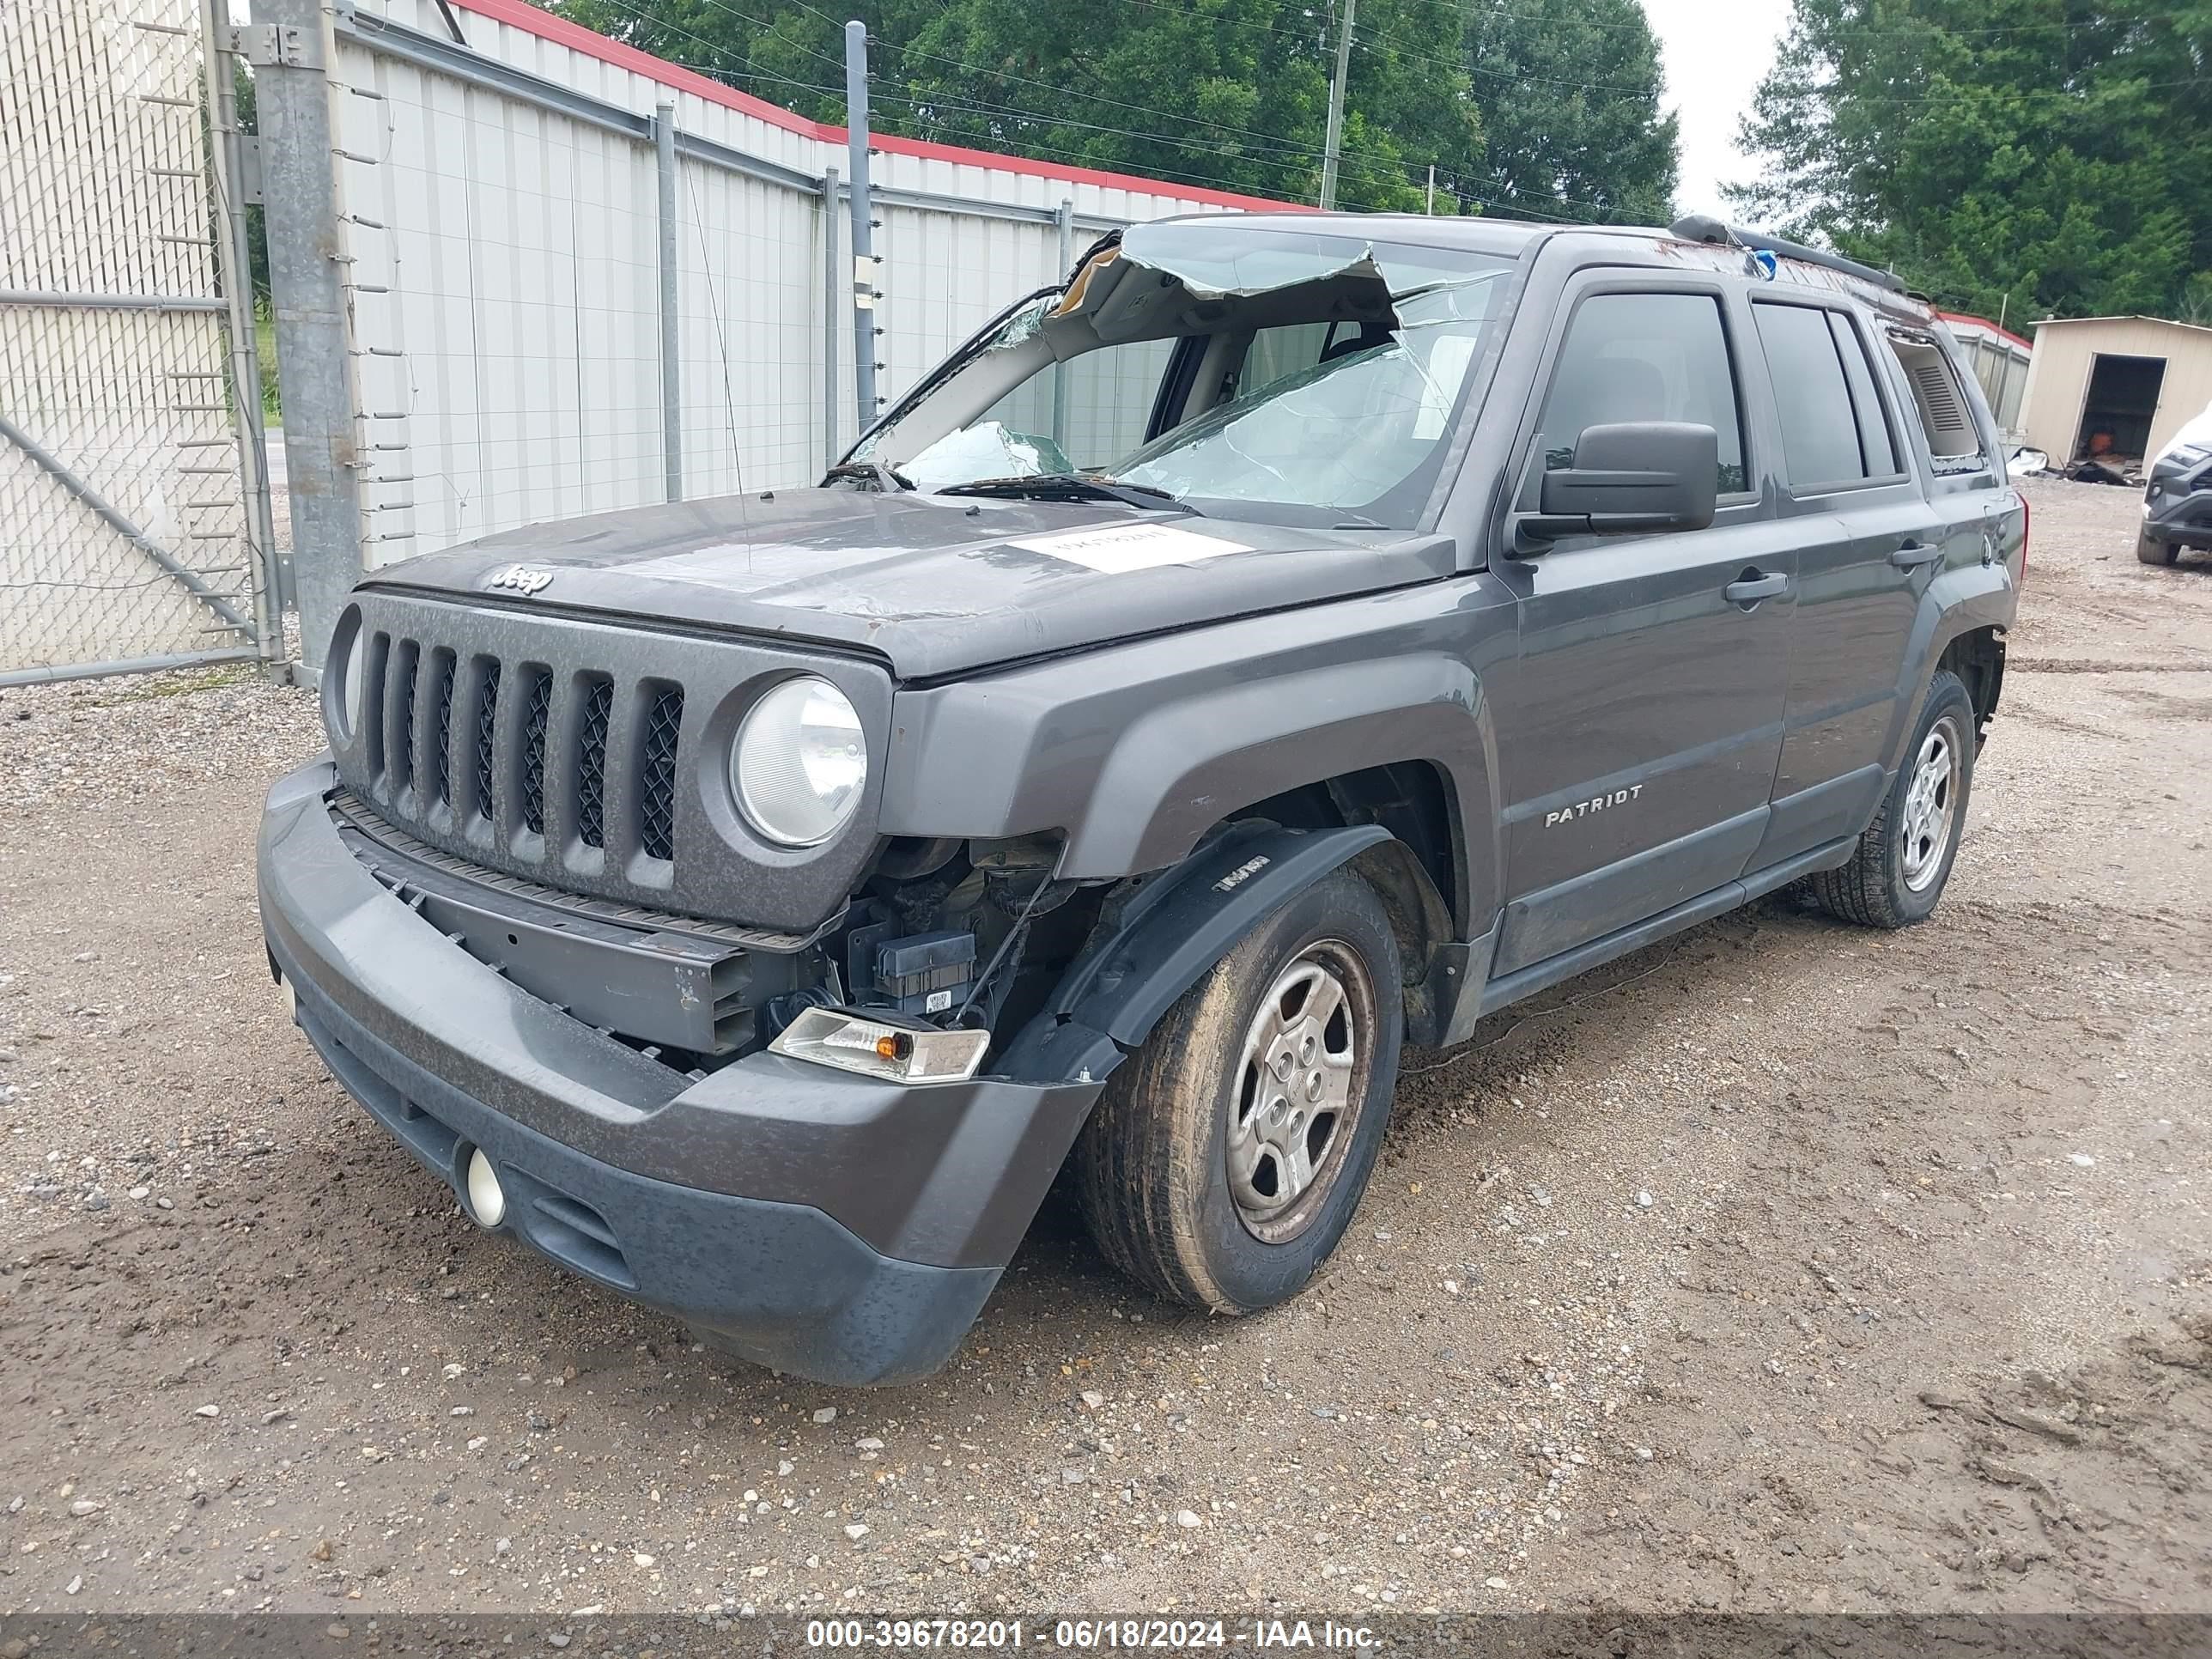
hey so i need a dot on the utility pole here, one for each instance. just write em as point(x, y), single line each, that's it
point(1335, 141)
point(292, 48)
point(1430, 204)
point(864, 241)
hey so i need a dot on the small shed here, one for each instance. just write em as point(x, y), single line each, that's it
point(2134, 380)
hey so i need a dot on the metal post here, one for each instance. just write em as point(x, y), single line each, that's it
point(307, 281)
point(671, 323)
point(1334, 140)
point(1064, 222)
point(235, 261)
point(864, 241)
point(830, 448)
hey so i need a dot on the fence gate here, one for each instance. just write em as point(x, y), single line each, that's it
point(134, 527)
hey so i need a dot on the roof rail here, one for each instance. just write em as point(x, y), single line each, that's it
point(1700, 227)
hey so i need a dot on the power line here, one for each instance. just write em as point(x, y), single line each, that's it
point(907, 52)
point(1372, 168)
point(1271, 149)
point(654, 22)
point(1273, 142)
point(1477, 12)
point(1806, 92)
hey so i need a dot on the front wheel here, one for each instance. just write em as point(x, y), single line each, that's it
point(2151, 551)
point(1226, 1156)
point(1897, 872)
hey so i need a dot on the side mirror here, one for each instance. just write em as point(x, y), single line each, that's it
point(1638, 477)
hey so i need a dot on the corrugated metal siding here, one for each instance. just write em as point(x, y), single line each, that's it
point(750, 289)
point(505, 312)
point(945, 278)
point(2066, 353)
point(505, 262)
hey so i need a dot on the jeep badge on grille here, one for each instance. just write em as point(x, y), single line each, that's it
point(522, 579)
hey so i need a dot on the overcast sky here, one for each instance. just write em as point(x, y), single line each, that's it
point(1716, 52)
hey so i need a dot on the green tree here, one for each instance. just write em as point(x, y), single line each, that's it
point(2039, 157)
point(1569, 92)
point(1229, 92)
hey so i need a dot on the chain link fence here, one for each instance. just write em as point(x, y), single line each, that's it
point(133, 528)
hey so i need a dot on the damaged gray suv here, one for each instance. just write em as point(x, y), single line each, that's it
point(1291, 638)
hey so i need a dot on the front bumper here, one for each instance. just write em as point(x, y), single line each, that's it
point(2178, 497)
point(825, 1224)
point(2172, 517)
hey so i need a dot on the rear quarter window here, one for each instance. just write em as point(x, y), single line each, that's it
point(1947, 416)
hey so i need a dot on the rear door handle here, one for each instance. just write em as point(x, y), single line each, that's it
point(1751, 589)
point(1913, 555)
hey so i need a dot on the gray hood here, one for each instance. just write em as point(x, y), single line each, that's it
point(932, 584)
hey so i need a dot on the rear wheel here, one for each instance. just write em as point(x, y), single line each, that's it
point(2151, 551)
point(1227, 1156)
point(1897, 871)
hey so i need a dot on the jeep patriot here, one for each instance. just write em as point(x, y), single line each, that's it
point(1291, 637)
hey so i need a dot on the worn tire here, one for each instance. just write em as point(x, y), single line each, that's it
point(2151, 551)
point(1874, 889)
point(1152, 1166)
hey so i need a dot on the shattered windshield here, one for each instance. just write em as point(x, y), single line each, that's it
point(1295, 377)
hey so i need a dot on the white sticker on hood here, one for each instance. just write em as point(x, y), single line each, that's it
point(1116, 549)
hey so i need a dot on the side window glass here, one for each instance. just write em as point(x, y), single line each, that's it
point(1819, 432)
point(1644, 357)
point(1946, 421)
point(1876, 444)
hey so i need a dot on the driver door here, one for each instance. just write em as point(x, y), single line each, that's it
point(1639, 727)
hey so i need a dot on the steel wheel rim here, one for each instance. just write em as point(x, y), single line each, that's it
point(1300, 1083)
point(1931, 806)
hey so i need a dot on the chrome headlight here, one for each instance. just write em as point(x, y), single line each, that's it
point(800, 761)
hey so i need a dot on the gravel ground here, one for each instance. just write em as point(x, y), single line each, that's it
point(1781, 1266)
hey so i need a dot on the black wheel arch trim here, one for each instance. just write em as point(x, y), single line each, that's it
point(1166, 936)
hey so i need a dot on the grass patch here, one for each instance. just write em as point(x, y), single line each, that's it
point(264, 352)
point(185, 682)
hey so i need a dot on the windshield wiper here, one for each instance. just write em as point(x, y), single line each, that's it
point(1073, 487)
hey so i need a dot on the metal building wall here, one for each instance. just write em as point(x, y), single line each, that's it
point(499, 202)
point(506, 309)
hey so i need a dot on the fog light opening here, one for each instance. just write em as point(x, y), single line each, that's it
point(487, 1199)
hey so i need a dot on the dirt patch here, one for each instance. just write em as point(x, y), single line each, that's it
point(1783, 1265)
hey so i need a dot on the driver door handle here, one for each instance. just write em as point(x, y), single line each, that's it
point(1913, 555)
point(1754, 587)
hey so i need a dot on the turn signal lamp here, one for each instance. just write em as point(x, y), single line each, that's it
point(896, 1054)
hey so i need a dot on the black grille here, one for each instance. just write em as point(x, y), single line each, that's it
point(592, 764)
point(657, 775)
point(487, 716)
point(441, 763)
point(534, 717)
point(403, 731)
point(533, 758)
